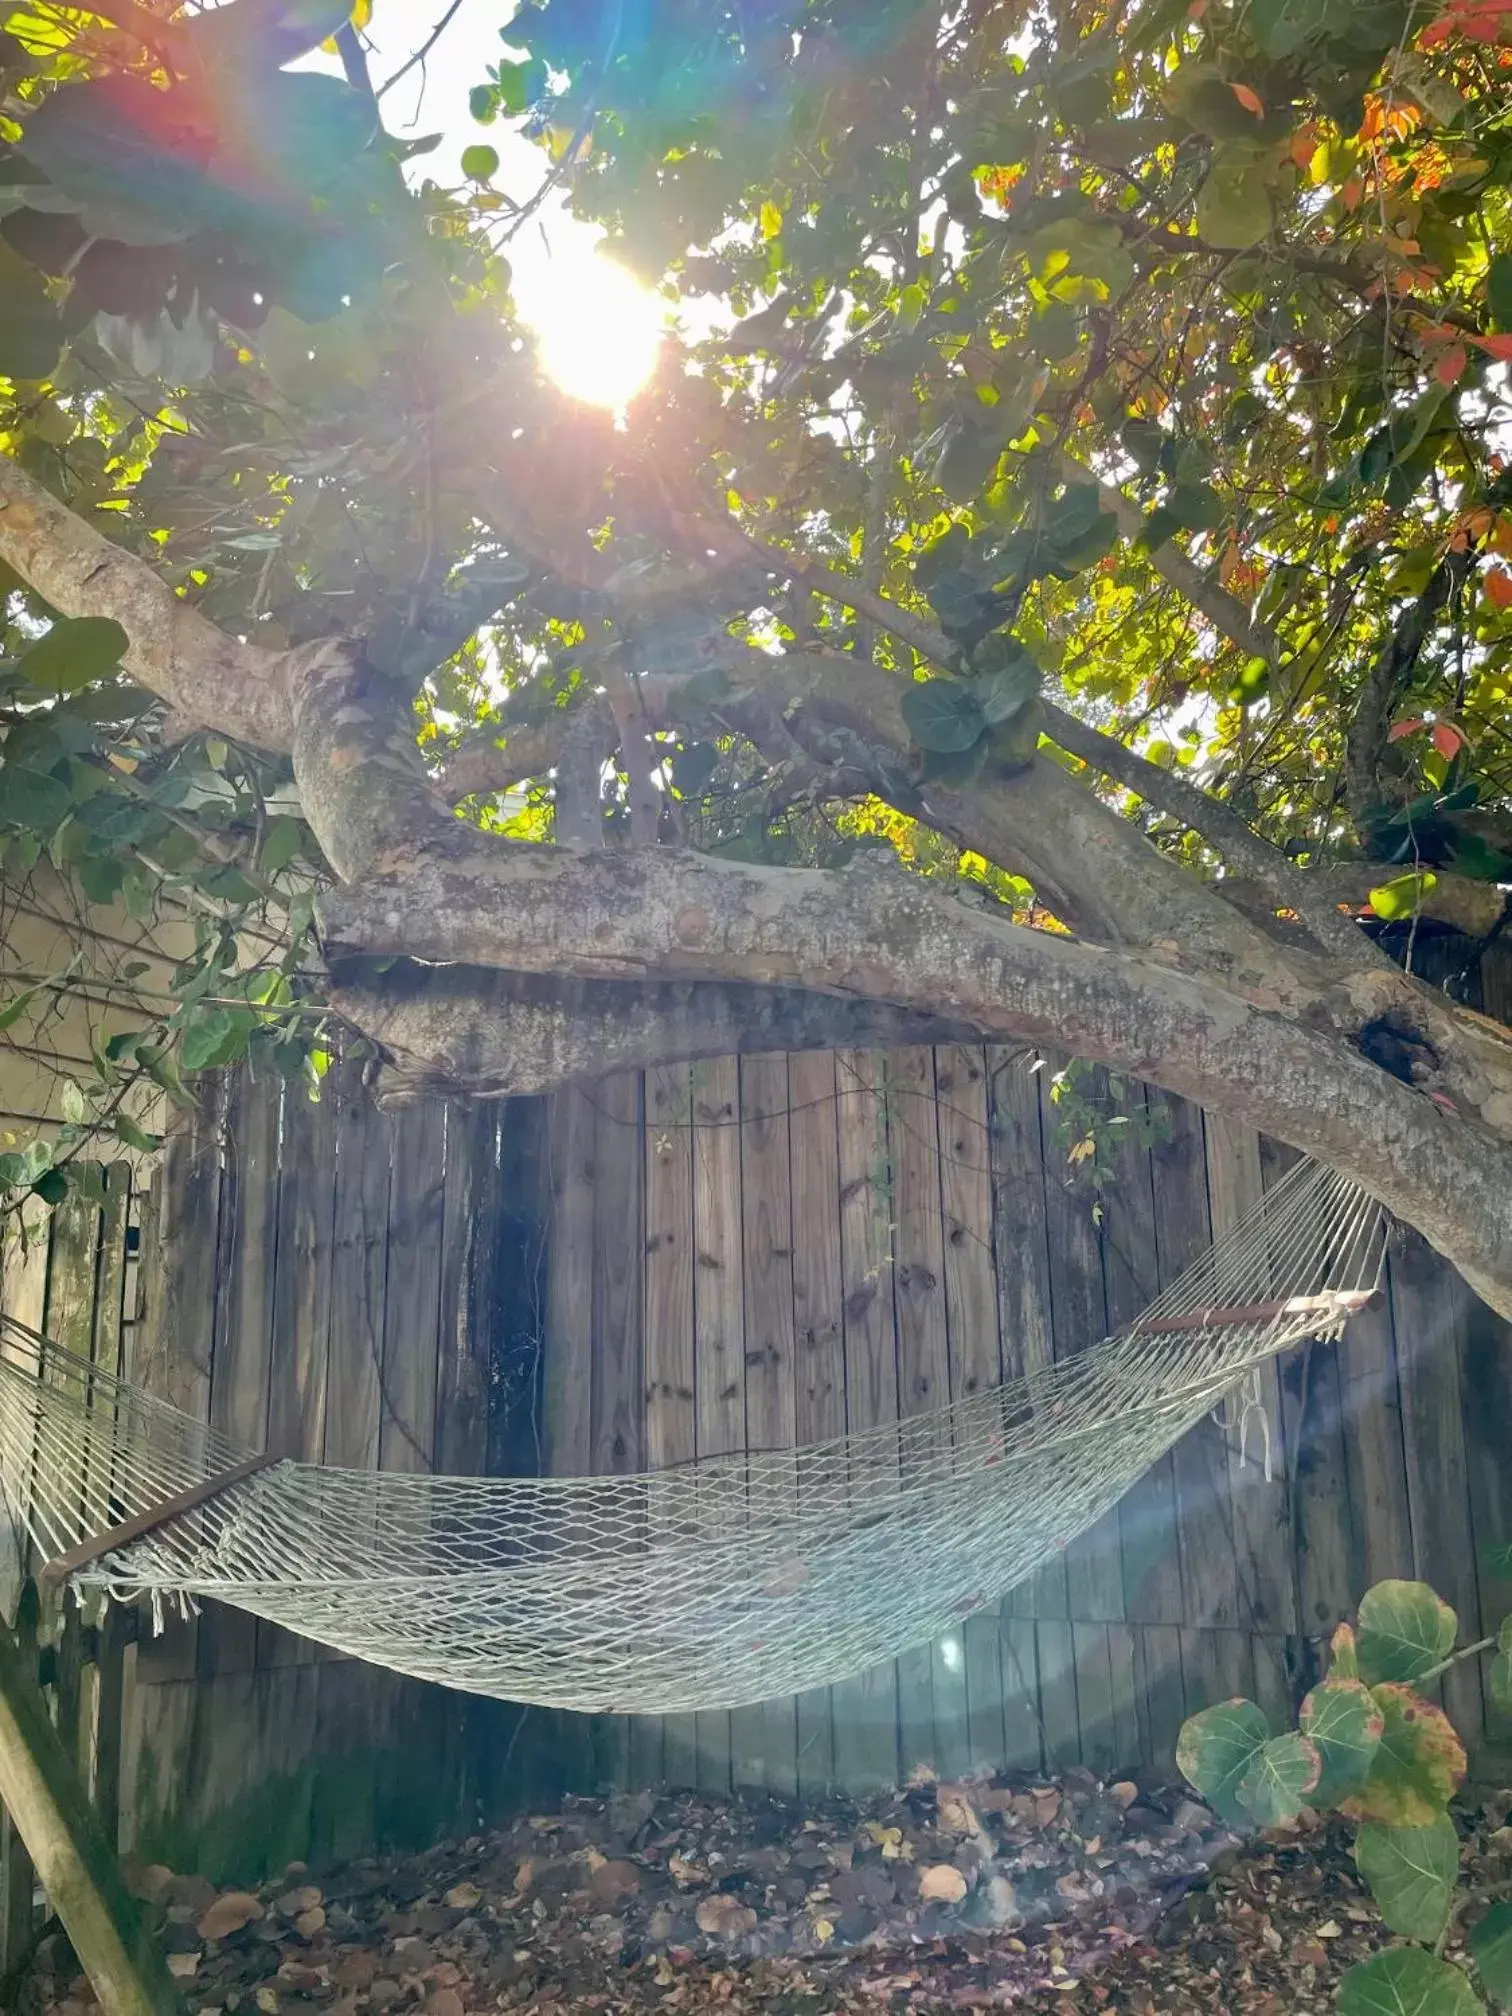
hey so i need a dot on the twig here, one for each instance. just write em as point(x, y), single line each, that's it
point(423, 51)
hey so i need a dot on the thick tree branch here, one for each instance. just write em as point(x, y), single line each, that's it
point(1243, 850)
point(456, 896)
point(208, 678)
point(1387, 680)
point(491, 1034)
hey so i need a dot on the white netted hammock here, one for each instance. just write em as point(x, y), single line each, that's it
point(711, 1585)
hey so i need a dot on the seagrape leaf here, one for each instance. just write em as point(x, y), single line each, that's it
point(1491, 1950)
point(1215, 1750)
point(1418, 1766)
point(1341, 1718)
point(32, 798)
point(1405, 1628)
point(943, 715)
point(1406, 1981)
point(75, 652)
point(1279, 1777)
point(1412, 1872)
point(1234, 204)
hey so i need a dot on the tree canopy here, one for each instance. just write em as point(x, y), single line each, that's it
point(1055, 585)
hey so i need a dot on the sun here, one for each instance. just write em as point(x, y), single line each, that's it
point(598, 331)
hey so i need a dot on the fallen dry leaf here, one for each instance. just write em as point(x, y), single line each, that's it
point(229, 1913)
point(942, 1883)
point(724, 1917)
point(464, 1897)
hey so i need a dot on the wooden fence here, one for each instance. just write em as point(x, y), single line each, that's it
point(743, 1253)
point(777, 1250)
point(346, 1287)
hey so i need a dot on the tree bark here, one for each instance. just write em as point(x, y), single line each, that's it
point(1209, 1006)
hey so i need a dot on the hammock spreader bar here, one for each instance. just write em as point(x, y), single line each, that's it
point(142, 1523)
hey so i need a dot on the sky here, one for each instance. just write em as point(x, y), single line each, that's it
point(598, 329)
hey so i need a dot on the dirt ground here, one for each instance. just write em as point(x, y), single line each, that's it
point(1026, 1894)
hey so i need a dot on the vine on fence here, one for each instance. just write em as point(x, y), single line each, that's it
point(1372, 1746)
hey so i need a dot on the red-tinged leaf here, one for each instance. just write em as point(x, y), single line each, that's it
point(1499, 587)
point(1400, 728)
point(1451, 365)
point(1499, 347)
point(1249, 99)
point(1447, 739)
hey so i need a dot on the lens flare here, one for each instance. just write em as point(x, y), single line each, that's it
point(598, 331)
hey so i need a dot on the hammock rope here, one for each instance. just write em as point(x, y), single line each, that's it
point(715, 1584)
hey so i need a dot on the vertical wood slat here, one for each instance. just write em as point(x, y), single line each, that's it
point(174, 1347)
point(1322, 1537)
point(668, 1745)
point(764, 1736)
point(971, 1315)
point(718, 1319)
point(1431, 1307)
point(1094, 1561)
point(866, 1707)
point(1021, 1263)
point(299, 1342)
point(1262, 1532)
point(411, 1349)
point(1486, 1393)
point(352, 1697)
point(617, 1409)
point(819, 1331)
point(931, 1684)
point(242, 1370)
point(568, 1408)
point(1147, 1516)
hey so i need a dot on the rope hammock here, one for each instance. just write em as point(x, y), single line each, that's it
point(712, 1585)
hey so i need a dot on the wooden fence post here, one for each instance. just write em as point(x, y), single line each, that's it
point(41, 1790)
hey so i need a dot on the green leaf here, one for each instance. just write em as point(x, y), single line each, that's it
point(17, 1006)
point(51, 1186)
point(134, 1136)
point(31, 333)
point(32, 798)
point(1501, 1681)
point(1499, 290)
point(101, 876)
point(75, 652)
point(480, 162)
point(482, 102)
point(517, 85)
point(1418, 1765)
point(1406, 1981)
point(1234, 204)
point(1491, 1950)
point(943, 715)
point(1412, 1872)
point(1196, 507)
point(211, 1039)
point(71, 1098)
point(1216, 1749)
point(1405, 1629)
point(1341, 1717)
point(1402, 896)
point(281, 843)
point(1007, 678)
point(1280, 1776)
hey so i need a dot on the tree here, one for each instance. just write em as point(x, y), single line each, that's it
point(1063, 601)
